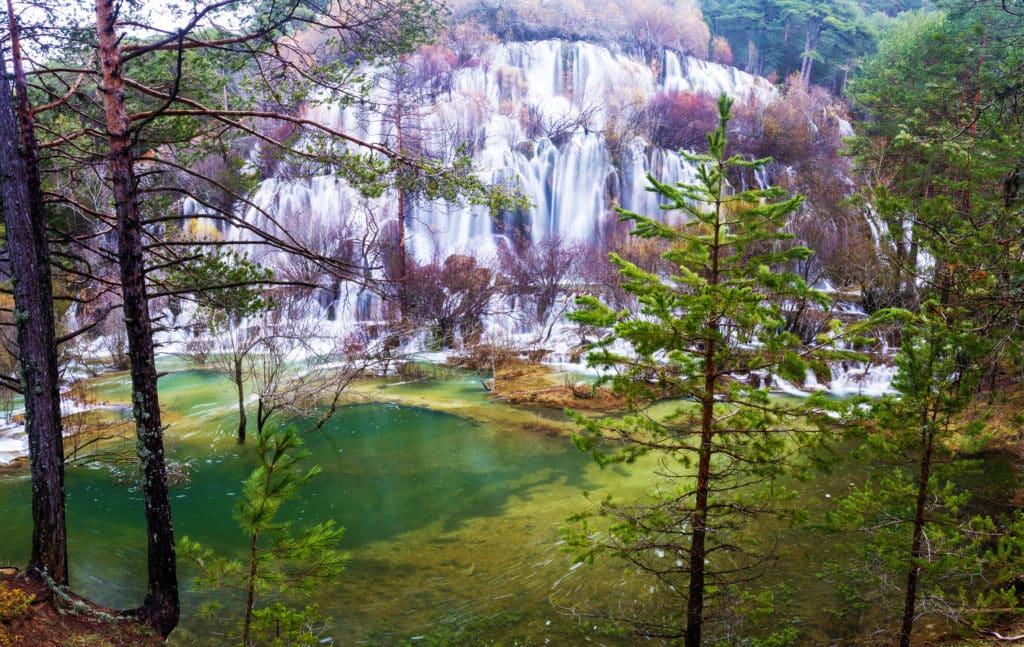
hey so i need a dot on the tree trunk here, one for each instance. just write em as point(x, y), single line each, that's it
point(240, 386)
point(810, 44)
point(751, 65)
point(403, 261)
point(910, 276)
point(698, 548)
point(262, 414)
point(698, 551)
point(161, 607)
point(250, 597)
point(33, 315)
point(699, 519)
point(910, 598)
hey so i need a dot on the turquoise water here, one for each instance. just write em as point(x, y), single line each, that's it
point(450, 521)
point(446, 519)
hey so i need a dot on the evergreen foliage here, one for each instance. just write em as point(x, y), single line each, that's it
point(924, 545)
point(227, 286)
point(280, 560)
point(940, 154)
point(709, 337)
point(821, 40)
point(704, 340)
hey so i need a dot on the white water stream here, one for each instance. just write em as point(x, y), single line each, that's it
point(535, 116)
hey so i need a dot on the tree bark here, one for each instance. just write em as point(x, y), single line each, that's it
point(699, 519)
point(403, 261)
point(240, 387)
point(161, 607)
point(262, 414)
point(910, 597)
point(810, 44)
point(250, 589)
point(33, 315)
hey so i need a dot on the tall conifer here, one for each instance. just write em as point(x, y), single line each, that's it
point(710, 337)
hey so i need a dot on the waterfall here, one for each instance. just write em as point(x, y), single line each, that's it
point(704, 77)
point(545, 117)
point(536, 115)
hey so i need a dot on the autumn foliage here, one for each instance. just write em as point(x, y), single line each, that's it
point(647, 25)
point(799, 126)
point(721, 52)
point(678, 120)
point(450, 297)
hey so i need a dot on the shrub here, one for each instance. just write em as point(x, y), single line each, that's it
point(603, 279)
point(677, 120)
point(538, 271)
point(450, 297)
point(654, 24)
point(13, 603)
point(801, 126)
point(647, 24)
point(721, 52)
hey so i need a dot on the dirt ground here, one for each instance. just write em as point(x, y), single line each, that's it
point(32, 616)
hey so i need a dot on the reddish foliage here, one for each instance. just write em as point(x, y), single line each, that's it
point(451, 297)
point(655, 24)
point(675, 120)
point(434, 66)
point(602, 277)
point(469, 40)
point(799, 127)
point(802, 130)
point(721, 52)
point(537, 272)
point(645, 24)
point(275, 130)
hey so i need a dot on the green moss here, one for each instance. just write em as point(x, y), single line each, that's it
point(821, 370)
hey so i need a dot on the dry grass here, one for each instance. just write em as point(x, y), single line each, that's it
point(539, 386)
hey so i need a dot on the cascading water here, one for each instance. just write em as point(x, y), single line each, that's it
point(535, 116)
point(704, 77)
point(539, 116)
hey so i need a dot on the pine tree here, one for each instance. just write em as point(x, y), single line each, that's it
point(709, 337)
point(290, 563)
point(926, 554)
point(28, 253)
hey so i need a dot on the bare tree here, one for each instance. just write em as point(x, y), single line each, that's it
point(113, 338)
point(538, 271)
point(296, 370)
point(451, 298)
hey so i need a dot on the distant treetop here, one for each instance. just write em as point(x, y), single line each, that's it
point(645, 25)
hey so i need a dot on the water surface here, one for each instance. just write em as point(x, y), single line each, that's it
point(452, 516)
